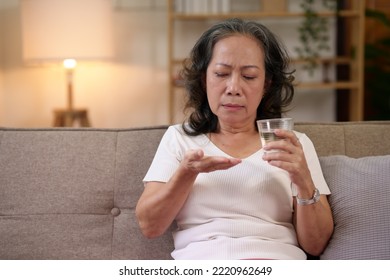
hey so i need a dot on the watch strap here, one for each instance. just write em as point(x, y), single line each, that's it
point(314, 199)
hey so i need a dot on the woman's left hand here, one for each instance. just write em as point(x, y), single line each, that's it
point(313, 224)
point(290, 157)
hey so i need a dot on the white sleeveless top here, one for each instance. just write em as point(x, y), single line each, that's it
point(244, 212)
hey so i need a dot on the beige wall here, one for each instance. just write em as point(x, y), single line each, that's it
point(1, 91)
point(128, 91)
point(131, 90)
point(1, 64)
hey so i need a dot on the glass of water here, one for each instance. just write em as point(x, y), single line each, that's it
point(267, 128)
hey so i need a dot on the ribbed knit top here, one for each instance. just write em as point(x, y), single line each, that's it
point(244, 212)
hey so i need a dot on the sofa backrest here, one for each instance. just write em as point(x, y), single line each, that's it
point(353, 139)
point(71, 193)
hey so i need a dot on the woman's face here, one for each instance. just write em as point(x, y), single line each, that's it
point(235, 80)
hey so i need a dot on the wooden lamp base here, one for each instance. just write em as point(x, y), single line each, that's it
point(71, 118)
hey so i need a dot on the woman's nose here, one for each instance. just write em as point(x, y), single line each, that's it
point(234, 85)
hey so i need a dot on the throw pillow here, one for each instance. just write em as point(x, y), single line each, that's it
point(360, 202)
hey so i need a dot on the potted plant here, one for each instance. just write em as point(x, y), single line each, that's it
point(377, 71)
point(314, 32)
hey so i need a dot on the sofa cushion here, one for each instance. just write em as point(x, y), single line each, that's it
point(361, 207)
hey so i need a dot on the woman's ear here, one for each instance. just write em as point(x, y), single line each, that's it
point(204, 81)
point(267, 85)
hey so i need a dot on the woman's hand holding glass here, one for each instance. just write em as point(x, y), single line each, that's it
point(289, 157)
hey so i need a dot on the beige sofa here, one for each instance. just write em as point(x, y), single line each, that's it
point(71, 193)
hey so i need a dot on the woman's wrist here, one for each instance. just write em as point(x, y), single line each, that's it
point(308, 201)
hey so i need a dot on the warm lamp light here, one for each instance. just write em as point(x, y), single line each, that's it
point(57, 30)
point(69, 63)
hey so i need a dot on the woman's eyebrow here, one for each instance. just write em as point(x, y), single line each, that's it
point(242, 67)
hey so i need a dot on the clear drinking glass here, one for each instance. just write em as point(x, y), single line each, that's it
point(267, 128)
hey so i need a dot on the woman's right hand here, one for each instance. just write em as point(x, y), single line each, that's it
point(160, 202)
point(195, 161)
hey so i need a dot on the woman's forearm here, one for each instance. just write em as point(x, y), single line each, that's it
point(314, 225)
point(160, 202)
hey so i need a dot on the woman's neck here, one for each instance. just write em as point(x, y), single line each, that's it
point(236, 142)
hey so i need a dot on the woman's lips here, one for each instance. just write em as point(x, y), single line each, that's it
point(232, 106)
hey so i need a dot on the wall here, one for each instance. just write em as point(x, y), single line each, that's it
point(128, 91)
point(131, 90)
point(1, 63)
point(1, 95)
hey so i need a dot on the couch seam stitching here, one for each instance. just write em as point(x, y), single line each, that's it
point(113, 192)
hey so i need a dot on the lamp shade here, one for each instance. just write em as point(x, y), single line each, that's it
point(60, 29)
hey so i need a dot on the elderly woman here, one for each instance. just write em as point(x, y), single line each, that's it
point(231, 199)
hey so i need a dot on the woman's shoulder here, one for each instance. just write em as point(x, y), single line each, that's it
point(176, 129)
point(179, 129)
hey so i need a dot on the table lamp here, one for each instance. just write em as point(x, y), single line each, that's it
point(67, 31)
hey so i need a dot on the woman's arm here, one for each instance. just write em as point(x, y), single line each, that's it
point(314, 225)
point(161, 202)
point(314, 222)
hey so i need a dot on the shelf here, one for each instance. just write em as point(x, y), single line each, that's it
point(304, 85)
point(258, 15)
point(332, 60)
point(329, 85)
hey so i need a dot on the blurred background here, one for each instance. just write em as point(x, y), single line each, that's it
point(131, 50)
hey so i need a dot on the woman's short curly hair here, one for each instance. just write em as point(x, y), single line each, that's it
point(279, 89)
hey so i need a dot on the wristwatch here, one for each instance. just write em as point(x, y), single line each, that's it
point(314, 199)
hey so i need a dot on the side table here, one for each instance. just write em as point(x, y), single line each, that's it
point(71, 118)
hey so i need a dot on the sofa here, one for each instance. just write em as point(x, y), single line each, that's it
point(70, 193)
